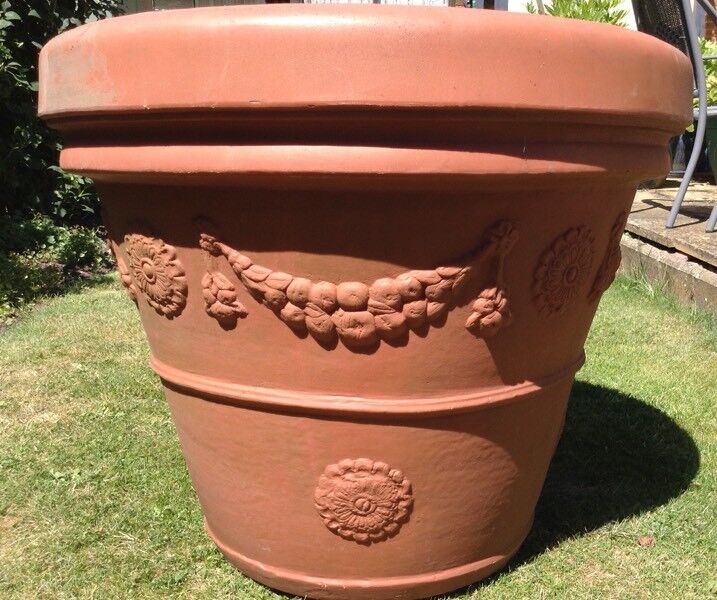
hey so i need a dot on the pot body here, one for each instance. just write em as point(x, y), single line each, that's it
point(270, 417)
point(366, 296)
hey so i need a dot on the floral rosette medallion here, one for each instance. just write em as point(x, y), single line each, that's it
point(562, 270)
point(124, 274)
point(157, 273)
point(363, 500)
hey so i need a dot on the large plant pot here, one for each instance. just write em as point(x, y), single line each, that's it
point(366, 245)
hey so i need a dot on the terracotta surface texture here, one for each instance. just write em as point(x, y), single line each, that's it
point(366, 263)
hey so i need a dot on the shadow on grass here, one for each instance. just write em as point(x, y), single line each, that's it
point(617, 457)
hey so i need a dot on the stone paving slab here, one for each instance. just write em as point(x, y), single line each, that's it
point(650, 210)
point(688, 281)
point(683, 258)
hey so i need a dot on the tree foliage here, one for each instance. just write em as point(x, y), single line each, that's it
point(709, 48)
point(29, 180)
point(600, 11)
point(48, 218)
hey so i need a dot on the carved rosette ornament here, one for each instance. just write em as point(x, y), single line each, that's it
point(611, 261)
point(363, 500)
point(360, 314)
point(157, 273)
point(124, 274)
point(562, 270)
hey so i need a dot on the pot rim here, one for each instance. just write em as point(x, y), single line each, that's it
point(369, 59)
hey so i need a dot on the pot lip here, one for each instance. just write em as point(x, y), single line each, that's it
point(317, 167)
point(367, 58)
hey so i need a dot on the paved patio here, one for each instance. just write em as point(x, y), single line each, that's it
point(683, 258)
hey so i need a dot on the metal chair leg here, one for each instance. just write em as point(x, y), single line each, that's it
point(709, 9)
point(712, 12)
point(712, 221)
point(699, 70)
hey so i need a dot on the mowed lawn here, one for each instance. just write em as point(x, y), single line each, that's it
point(95, 501)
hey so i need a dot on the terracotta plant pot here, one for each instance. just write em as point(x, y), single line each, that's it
point(366, 267)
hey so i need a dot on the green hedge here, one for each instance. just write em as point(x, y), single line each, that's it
point(30, 181)
point(48, 218)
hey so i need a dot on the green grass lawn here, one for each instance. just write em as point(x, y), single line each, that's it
point(95, 501)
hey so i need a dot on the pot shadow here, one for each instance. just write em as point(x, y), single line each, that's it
point(617, 457)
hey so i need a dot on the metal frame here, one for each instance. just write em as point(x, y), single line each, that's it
point(701, 111)
point(710, 10)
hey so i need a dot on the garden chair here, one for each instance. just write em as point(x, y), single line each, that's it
point(673, 22)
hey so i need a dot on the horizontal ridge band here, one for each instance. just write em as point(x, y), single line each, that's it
point(302, 401)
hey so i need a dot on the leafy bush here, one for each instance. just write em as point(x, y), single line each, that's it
point(600, 11)
point(48, 218)
point(709, 48)
point(39, 257)
point(28, 178)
